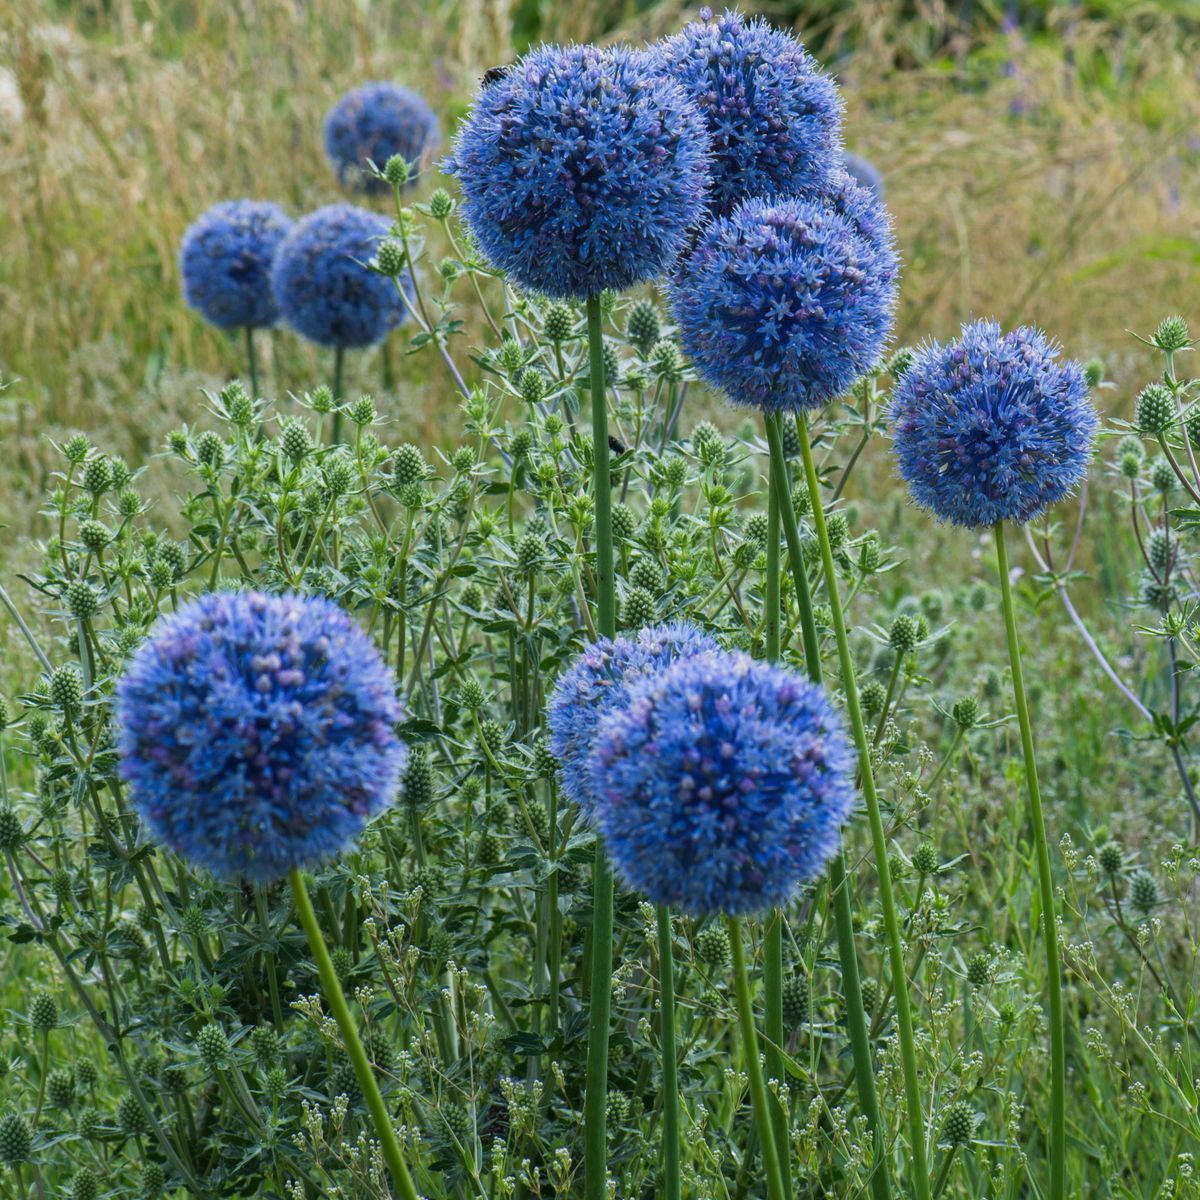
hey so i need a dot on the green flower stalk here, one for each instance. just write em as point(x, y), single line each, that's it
point(600, 996)
point(1058, 1071)
point(380, 1117)
point(780, 505)
point(919, 1168)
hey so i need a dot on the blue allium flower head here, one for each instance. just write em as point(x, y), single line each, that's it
point(720, 784)
point(582, 169)
point(597, 682)
point(374, 122)
point(257, 732)
point(322, 285)
point(867, 213)
point(994, 427)
point(775, 117)
point(225, 261)
point(784, 304)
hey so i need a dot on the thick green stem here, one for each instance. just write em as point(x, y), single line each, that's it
point(339, 359)
point(380, 1118)
point(1058, 1075)
point(773, 941)
point(839, 882)
point(891, 923)
point(758, 1088)
point(672, 1188)
point(595, 1145)
point(252, 363)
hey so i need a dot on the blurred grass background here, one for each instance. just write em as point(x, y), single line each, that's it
point(1041, 160)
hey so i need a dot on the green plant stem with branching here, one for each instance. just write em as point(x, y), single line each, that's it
point(839, 883)
point(919, 1169)
point(1058, 1084)
point(595, 1169)
point(672, 1187)
point(380, 1117)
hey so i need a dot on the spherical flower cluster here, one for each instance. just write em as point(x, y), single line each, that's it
point(785, 304)
point(597, 682)
point(257, 732)
point(582, 169)
point(993, 427)
point(721, 784)
point(773, 114)
point(322, 284)
point(225, 261)
point(373, 122)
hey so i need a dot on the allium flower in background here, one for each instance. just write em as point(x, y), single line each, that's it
point(582, 169)
point(721, 784)
point(323, 287)
point(257, 732)
point(225, 262)
point(775, 117)
point(784, 304)
point(373, 122)
point(865, 210)
point(598, 681)
point(992, 427)
point(864, 172)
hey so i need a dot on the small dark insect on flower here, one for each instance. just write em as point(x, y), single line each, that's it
point(616, 445)
point(493, 75)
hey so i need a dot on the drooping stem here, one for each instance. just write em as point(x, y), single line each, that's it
point(891, 923)
point(252, 363)
point(758, 1088)
point(1058, 1083)
point(339, 362)
point(672, 1187)
point(380, 1118)
point(595, 1145)
point(839, 883)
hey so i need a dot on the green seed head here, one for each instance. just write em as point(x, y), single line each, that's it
point(441, 204)
point(979, 969)
point(97, 476)
point(1111, 858)
point(85, 1185)
point(396, 170)
point(151, 1181)
point(418, 777)
point(925, 859)
point(958, 1126)
point(558, 323)
point(533, 385)
point(66, 688)
point(712, 946)
point(1154, 410)
point(43, 1012)
point(82, 600)
point(389, 257)
point(1162, 477)
point(362, 411)
point(905, 633)
point(16, 1139)
point(130, 1117)
point(796, 1000)
point(60, 1088)
point(210, 449)
point(264, 1045)
point(1172, 334)
point(531, 553)
point(95, 535)
point(638, 609)
point(76, 448)
point(965, 712)
point(408, 466)
point(643, 326)
point(666, 361)
point(1143, 891)
point(213, 1047)
point(872, 696)
point(624, 522)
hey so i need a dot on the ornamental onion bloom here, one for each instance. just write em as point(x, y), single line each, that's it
point(720, 784)
point(257, 732)
point(322, 284)
point(784, 304)
point(994, 427)
point(225, 262)
point(775, 117)
point(597, 682)
point(582, 169)
point(373, 122)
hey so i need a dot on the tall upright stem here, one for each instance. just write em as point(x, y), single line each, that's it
point(758, 1089)
point(839, 882)
point(595, 1137)
point(339, 362)
point(672, 1187)
point(1058, 1070)
point(380, 1117)
point(773, 937)
point(252, 363)
point(891, 923)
